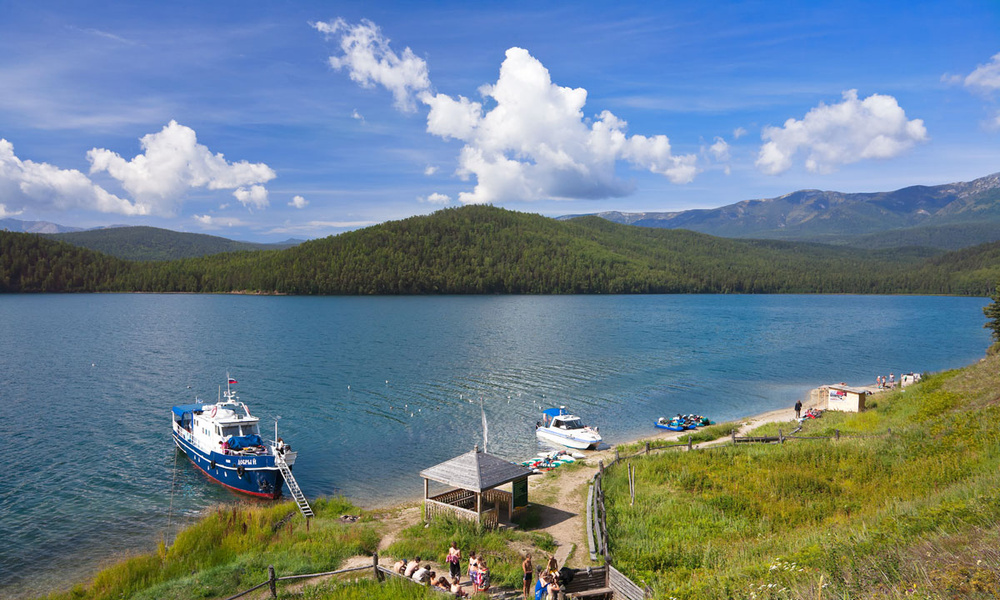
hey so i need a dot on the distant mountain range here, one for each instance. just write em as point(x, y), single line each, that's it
point(947, 217)
point(140, 242)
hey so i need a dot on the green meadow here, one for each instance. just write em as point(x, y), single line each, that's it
point(911, 514)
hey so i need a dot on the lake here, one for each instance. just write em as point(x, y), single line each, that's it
point(87, 383)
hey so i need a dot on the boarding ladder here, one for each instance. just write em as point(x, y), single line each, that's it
point(293, 487)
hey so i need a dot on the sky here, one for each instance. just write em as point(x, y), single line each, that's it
point(264, 121)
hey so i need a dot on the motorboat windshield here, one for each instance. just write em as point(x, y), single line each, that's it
point(569, 424)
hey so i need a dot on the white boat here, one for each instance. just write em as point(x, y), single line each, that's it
point(223, 440)
point(559, 427)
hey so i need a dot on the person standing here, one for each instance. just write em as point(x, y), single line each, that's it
point(798, 408)
point(526, 567)
point(454, 560)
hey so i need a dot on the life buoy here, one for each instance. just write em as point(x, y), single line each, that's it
point(214, 409)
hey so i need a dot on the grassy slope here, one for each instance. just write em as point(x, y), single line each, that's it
point(914, 514)
point(230, 549)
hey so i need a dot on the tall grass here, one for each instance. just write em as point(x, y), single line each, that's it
point(771, 521)
point(230, 549)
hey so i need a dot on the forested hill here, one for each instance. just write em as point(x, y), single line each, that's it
point(481, 249)
point(154, 243)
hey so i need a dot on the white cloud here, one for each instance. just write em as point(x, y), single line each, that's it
point(172, 163)
point(4, 213)
point(255, 197)
point(436, 198)
point(298, 202)
point(739, 132)
point(719, 150)
point(986, 77)
point(535, 142)
point(357, 116)
point(45, 186)
point(430, 170)
point(840, 134)
point(370, 61)
point(210, 223)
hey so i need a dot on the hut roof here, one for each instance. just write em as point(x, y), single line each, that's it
point(475, 471)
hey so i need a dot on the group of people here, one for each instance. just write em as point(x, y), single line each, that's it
point(882, 383)
point(548, 585)
point(421, 572)
point(546, 588)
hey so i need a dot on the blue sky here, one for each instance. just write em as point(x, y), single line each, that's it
point(268, 120)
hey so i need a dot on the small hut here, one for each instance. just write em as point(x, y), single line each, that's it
point(846, 398)
point(473, 478)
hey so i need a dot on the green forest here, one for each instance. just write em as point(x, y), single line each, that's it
point(487, 250)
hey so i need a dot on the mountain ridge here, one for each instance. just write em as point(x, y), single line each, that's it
point(845, 218)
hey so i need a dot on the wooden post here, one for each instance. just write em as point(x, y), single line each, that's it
point(689, 442)
point(836, 432)
point(734, 436)
point(781, 438)
point(647, 447)
point(271, 581)
point(378, 574)
point(617, 458)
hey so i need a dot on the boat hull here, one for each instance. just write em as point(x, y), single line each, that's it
point(253, 475)
point(565, 440)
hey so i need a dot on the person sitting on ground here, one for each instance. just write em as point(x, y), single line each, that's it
point(399, 567)
point(457, 589)
point(422, 574)
point(442, 583)
point(411, 567)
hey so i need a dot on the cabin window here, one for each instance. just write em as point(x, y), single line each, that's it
point(217, 432)
point(572, 424)
point(250, 430)
point(231, 430)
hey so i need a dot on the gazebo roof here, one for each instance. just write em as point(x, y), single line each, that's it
point(475, 471)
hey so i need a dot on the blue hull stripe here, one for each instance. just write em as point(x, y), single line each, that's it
point(264, 480)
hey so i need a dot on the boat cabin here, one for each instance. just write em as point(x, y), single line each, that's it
point(558, 418)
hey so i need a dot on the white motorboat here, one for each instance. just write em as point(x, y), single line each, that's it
point(559, 427)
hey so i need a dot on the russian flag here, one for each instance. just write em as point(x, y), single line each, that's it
point(231, 381)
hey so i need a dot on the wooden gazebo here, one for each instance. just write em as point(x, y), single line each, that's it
point(473, 477)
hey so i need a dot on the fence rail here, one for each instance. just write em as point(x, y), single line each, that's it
point(379, 573)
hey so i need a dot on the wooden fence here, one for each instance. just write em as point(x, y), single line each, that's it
point(379, 572)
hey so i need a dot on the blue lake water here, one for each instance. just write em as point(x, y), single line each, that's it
point(87, 382)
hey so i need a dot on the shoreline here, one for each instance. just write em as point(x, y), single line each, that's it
point(567, 542)
point(812, 399)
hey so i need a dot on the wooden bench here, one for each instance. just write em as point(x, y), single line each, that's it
point(591, 585)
